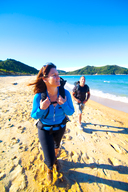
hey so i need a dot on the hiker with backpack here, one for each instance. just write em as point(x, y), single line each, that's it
point(80, 94)
point(51, 104)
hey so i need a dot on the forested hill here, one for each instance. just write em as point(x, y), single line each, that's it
point(91, 70)
point(13, 67)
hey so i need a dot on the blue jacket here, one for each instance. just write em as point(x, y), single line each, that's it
point(56, 114)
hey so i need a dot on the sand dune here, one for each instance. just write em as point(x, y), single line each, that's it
point(95, 159)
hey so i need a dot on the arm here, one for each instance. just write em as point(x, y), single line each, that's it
point(88, 96)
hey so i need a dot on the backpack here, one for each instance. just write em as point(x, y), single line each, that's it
point(61, 91)
point(77, 84)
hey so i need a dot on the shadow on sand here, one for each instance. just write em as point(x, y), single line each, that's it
point(71, 175)
point(122, 130)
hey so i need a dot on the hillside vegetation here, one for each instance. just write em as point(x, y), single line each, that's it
point(13, 67)
point(108, 69)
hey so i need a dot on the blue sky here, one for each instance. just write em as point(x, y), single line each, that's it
point(70, 33)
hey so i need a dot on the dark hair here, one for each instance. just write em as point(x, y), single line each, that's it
point(39, 84)
point(82, 76)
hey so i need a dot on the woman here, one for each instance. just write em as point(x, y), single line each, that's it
point(51, 112)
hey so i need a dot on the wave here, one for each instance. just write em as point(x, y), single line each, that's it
point(106, 81)
point(101, 94)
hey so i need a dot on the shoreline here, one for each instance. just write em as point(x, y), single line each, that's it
point(120, 106)
point(117, 105)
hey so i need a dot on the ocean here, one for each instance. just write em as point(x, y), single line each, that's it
point(109, 90)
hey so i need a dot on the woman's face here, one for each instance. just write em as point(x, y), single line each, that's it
point(53, 78)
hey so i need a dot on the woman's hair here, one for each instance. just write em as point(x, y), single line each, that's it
point(39, 84)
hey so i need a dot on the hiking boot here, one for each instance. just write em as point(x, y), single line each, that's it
point(49, 175)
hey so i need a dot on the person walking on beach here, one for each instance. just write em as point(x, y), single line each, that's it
point(81, 94)
point(51, 113)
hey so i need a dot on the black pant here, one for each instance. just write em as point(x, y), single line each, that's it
point(49, 143)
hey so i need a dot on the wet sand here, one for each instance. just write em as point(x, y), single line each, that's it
point(95, 159)
point(121, 106)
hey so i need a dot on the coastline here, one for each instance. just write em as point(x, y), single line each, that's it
point(95, 159)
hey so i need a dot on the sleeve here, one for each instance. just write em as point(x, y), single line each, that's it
point(36, 111)
point(68, 105)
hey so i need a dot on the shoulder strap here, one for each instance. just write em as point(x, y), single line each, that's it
point(61, 92)
point(61, 87)
point(43, 97)
point(77, 87)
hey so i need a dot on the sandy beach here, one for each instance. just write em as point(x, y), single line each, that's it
point(95, 159)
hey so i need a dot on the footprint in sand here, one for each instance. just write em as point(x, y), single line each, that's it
point(67, 130)
point(81, 137)
point(68, 137)
point(88, 159)
point(14, 140)
point(118, 148)
point(16, 180)
point(71, 153)
point(114, 161)
point(76, 157)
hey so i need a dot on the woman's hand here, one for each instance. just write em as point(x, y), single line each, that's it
point(60, 100)
point(44, 104)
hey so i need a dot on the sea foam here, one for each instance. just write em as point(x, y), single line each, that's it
point(101, 94)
